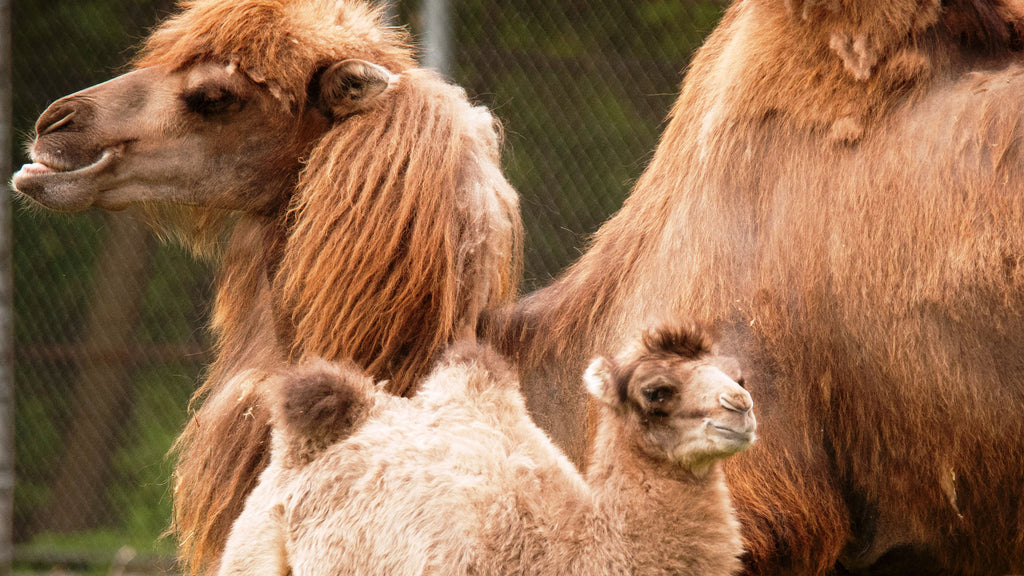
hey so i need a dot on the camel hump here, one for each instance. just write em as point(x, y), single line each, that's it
point(479, 356)
point(320, 402)
point(472, 374)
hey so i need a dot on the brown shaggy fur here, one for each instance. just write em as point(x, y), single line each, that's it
point(458, 480)
point(377, 230)
point(839, 192)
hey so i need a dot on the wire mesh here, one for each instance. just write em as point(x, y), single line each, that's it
point(109, 323)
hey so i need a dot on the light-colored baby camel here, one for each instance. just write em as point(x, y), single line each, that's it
point(458, 480)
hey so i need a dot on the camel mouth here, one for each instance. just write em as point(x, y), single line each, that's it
point(59, 186)
point(740, 434)
point(43, 164)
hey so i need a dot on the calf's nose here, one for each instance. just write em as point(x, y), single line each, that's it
point(736, 400)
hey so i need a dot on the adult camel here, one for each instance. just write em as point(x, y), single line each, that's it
point(840, 192)
point(357, 201)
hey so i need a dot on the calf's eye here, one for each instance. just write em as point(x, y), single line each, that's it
point(658, 394)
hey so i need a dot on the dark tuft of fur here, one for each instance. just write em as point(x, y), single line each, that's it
point(682, 340)
point(322, 403)
point(688, 340)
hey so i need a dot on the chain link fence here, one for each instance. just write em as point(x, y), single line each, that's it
point(110, 333)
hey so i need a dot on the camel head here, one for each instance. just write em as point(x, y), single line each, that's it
point(219, 112)
point(682, 403)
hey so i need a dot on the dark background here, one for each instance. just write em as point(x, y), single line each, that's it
point(109, 321)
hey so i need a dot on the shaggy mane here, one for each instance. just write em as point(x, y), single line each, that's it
point(377, 186)
point(279, 42)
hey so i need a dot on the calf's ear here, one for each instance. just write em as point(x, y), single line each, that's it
point(599, 380)
point(348, 86)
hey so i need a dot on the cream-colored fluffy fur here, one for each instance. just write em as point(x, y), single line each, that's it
point(458, 480)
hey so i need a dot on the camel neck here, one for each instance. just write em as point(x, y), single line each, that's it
point(242, 308)
point(671, 519)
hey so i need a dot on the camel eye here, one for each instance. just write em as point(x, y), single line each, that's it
point(742, 382)
point(658, 394)
point(212, 100)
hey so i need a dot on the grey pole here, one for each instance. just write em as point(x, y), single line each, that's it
point(6, 313)
point(436, 19)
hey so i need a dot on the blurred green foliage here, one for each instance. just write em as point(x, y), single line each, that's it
point(61, 46)
point(583, 89)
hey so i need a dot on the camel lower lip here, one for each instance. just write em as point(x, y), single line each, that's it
point(65, 190)
point(36, 168)
point(732, 432)
point(42, 171)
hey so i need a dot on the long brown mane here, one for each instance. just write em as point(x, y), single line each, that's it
point(397, 232)
point(416, 250)
point(838, 193)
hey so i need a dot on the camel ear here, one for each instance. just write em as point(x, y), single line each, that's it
point(598, 379)
point(348, 86)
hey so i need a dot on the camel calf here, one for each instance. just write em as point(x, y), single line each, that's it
point(458, 480)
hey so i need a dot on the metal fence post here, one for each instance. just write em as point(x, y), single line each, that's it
point(6, 320)
point(437, 35)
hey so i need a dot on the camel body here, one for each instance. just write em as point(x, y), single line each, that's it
point(838, 192)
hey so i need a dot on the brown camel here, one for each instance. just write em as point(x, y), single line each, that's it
point(458, 480)
point(840, 192)
point(356, 204)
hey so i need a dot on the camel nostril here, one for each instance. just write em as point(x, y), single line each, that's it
point(62, 122)
point(59, 116)
point(736, 402)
